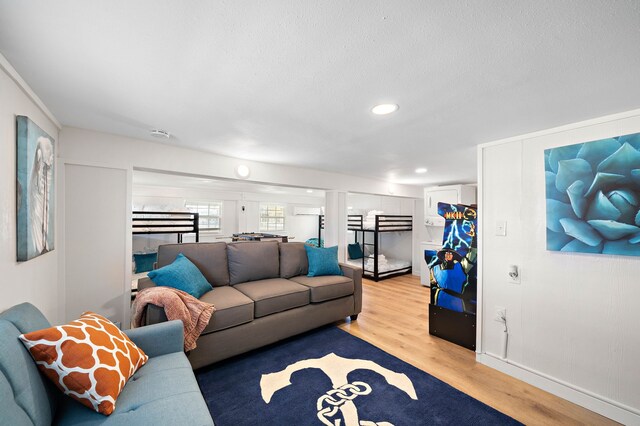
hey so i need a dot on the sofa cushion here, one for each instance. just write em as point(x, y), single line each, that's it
point(327, 287)
point(24, 392)
point(232, 308)
point(210, 258)
point(163, 391)
point(253, 260)
point(12, 412)
point(25, 317)
point(293, 260)
point(275, 295)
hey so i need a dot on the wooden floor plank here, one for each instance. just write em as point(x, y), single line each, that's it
point(395, 318)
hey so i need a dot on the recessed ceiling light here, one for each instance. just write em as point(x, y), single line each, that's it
point(309, 191)
point(384, 109)
point(243, 171)
point(421, 170)
point(161, 134)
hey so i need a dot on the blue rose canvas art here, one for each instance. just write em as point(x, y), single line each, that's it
point(593, 196)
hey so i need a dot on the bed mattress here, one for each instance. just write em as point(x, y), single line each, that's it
point(390, 265)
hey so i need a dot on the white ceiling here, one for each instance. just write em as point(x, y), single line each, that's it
point(292, 81)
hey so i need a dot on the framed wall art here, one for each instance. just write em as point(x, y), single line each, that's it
point(34, 190)
point(593, 196)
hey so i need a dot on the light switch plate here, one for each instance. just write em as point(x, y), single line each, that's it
point(501, 228)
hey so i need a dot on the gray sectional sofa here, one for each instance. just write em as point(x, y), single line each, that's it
point(261, 293)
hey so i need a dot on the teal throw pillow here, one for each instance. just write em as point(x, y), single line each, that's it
point(355, 251)
point(323, 261)
point(183, 275)
point(144, 262)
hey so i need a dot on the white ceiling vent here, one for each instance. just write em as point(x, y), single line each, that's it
point(161, 134)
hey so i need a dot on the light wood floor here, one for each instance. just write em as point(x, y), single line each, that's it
point(395, 318)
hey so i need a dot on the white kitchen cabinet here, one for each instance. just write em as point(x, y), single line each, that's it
point(452, 194)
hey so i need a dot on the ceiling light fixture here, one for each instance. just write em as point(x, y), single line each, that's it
point(161, 134)
point(310, 191)
point(243, 171)
point(384, 109)
point(421, 170)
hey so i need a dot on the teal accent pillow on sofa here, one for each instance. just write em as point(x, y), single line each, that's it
point(183, 275)
point(323, 261)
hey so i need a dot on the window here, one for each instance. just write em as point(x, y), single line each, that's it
point(271, 217)
point(210, 214)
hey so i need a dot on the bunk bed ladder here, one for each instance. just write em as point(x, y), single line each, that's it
point(320, 228)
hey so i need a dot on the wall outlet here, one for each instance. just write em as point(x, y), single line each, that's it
point(500, 314)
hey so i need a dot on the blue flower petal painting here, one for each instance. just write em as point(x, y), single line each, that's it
point(593, 196)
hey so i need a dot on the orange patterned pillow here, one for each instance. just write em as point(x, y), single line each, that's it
point(67, 355)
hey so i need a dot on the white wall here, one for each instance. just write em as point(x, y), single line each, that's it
point(94, 245)
point(79, 145)
point(173, 199)
point(573, 319)
point(301, 227)
point(36, 280)
point(397, 245)
point(363, 203)
point(84, 147)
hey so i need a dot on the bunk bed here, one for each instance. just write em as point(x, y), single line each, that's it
point(179, 223)
point(154, 222)
point(375, 266)
point(368, 232)
point(318, 242)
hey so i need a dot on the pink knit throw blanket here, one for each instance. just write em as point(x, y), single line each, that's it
point(178, 305)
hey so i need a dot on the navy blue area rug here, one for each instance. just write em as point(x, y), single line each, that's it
point(329, 377)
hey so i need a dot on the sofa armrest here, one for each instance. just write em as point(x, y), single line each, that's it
point(152, 314)
point(355, 273)
point(145, 282)
point(159, 339)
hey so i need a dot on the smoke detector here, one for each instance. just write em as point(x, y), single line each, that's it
point(161, 134)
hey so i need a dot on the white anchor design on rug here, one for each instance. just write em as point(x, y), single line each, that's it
point(340, 398)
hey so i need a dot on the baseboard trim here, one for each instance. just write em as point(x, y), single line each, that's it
point(596, 403)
